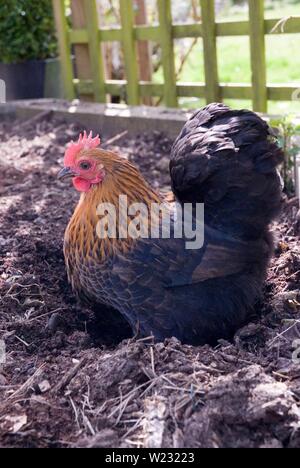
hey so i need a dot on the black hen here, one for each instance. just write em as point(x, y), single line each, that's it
point(222, 158)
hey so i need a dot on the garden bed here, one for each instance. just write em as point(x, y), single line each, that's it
point(69, 381)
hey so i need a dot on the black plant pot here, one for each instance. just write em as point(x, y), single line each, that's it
point(32, 80)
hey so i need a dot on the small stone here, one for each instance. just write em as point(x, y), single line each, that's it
point(44, 386)
point(53, 323)
point(3, 380)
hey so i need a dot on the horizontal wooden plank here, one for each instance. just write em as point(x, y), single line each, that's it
point(276, 92)
point(148, 89)
point(84, 87)
point(191, 90)
point(113, 87)
point(236, 91)
point(142, 33)
point(232, 28)
point(78, 36)
point(186, 30)
point(180, 31)
point(110, 35)
point(282, 92)
point(146, 33)
point(116, 87)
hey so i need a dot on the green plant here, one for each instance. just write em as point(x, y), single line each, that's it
point(289, 139)
point(27, 30)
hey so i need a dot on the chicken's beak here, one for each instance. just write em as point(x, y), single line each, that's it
point(65, 173)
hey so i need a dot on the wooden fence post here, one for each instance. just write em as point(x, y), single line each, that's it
point(212, 93)
point(168, 57)
point(64, 48)
point(258, 55)
point(95, 51)
point(130, 52)
point(144, 49)
point(82, 56)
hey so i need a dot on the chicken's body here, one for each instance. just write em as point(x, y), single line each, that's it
point(224, 159)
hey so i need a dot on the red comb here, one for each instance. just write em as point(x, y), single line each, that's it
point(85, 142)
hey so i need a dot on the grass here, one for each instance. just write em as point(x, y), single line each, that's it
point(283, 59)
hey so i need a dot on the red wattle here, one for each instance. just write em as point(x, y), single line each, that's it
point(82, 185)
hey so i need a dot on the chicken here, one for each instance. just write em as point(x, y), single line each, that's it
point(224, 159)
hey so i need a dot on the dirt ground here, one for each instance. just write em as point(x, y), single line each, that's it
point(69, 381)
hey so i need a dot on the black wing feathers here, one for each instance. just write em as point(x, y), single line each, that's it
point(227, 160)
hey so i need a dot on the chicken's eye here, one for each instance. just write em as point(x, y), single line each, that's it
point(85, 165)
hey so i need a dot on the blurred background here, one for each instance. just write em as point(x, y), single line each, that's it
point(283, 58)
point(29, 51)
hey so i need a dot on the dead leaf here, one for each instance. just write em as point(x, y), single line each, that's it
point(15, 423)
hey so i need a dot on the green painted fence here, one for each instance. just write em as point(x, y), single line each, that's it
point(257, 27)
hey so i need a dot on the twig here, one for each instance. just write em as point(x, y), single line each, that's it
point(185, 390)
point(23, 342)
point(21, 322)
point(281, 335)
point(152, 361)
point(114, 11)
point(281, 24)
point(75, 413)
point(69, 376)
point(27, 384)
point(278, 374)
point(133, 429)
point(88, 423)
point(186, 56)
point(37, 118)
point(147, 338)
point(132, 394)
point(115, 138)
point(44, 315)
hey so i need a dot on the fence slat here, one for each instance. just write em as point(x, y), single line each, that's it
point(130, 52)
point(64, 48)
point(229, 90)
point(95, 50)
point(168, 57)
point(81, 51)
point(258, 55)
point(213, 93)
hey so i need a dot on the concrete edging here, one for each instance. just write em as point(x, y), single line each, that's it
point(110, 119)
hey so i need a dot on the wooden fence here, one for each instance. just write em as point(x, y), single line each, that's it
point(90, 36)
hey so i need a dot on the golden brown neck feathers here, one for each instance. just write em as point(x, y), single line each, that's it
point(121, 178)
